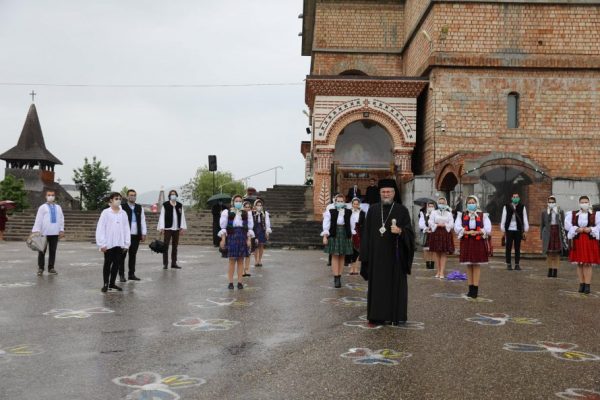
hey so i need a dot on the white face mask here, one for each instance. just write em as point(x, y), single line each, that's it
point(258, 208)
point(116, 202)
point(430, 209)
point(173, 197)
point(552, 205)
point(49, 199)
point(584, 206)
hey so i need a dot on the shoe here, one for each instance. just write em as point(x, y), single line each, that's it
point(122, 279)
point(555, 273)
point(117, 288)
point(470, 293)
point(475, 291)
point(175, 266)
point(581, 287)
point(550, 272)
point(337, 281)
point(165, 266)
point(104, 289)
point(245, 275)
point(586, 289)
point(240, 285)
point(509, 267)
point(40, 272)
point(134, 278)
point(442, 277)
point(230, 286)
point(398, 323)
point(517, 268)
point(52, 271)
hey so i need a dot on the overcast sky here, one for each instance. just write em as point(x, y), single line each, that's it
point(158, 136)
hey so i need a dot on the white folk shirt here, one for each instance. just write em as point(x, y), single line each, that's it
point(327, 220)
point(422, 223)
point(460, 231)
point(267, 221)
point(133, 226)
point(238, 222)
point(354, 220)
point(113, 229)
point(582, 222)
point(43, 223)
point(161, 220)
point(441, 217)
point(513, 222)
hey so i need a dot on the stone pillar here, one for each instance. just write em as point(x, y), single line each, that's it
point(402, 163)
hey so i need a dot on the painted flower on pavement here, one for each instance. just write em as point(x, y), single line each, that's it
point(206, 325)
point(8, 353)
point(357, 287)
point(461, 296)
point(577, 295)
point(499, 319)
point(213, 302)
point(151, 386)
point(365, 356)
point(346, 301)
point(579, 394)
point(16, 285)
point(560, 350)
point(364, 324)
point(83, 313)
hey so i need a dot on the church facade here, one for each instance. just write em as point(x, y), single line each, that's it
point(455, 98)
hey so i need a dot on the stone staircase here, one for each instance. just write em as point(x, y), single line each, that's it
point(290, 208)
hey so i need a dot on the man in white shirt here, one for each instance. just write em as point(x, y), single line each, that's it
point(172, 224)
point(49, 222)
point(137, 224)
point(514, 224)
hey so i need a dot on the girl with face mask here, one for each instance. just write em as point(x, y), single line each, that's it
point(583, 228)
point(424, 215)
point(337, 234)
point(357, 221)
point(553, 236)
point(473, 228)
point(441, 242)
point(262, 229)
point(247, 206)
point(236, 234)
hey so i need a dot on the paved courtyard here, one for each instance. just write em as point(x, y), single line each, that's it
point(288, 335)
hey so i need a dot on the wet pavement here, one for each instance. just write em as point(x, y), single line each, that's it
point(288, 335)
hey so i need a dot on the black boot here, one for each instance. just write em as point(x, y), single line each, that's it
point(509, 267)
point(470, 293)
point(337, 281)
point(581, 287)
point(517, 267)
point(550, 272)
point(475, 291)
point(555, 273)
point(586, 288)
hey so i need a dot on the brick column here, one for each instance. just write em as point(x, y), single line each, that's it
point(402, 161)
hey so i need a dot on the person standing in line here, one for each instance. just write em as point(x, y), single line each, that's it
point(514, 225)
point(337, 235)
point(172, 224)
point(113, 237)
point(262, 230)
point(583, 228)
point(137, 222)
point(247, 207)
point(424, 215)
point(553, 237)
point(49, 222)
point(3, 219)
point(441, 242)
point(236, 233)
point(473, 228)
point(357, 222)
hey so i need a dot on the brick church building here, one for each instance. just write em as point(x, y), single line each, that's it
point(455, 98)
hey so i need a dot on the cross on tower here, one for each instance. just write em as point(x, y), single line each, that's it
point(32, 94)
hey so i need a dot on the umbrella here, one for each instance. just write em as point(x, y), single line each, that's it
point(8, 204)
point(219, 197)
point(421, 201)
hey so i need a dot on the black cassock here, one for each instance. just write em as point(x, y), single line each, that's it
point(386, 262)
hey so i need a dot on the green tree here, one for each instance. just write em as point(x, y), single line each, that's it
point(200, 188)
point(13, 189)
point(94, 182)
point(124, 192)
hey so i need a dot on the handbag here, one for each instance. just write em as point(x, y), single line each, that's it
point(37, 242)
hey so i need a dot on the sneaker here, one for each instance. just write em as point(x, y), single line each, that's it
point(40, 272)
point(104, 289)
point(240, 285)
point(134, 278)
point(117, 288)
point(230, 286)
point(52, 271)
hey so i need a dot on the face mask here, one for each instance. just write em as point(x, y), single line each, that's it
point(237, 205)
point(584, 206)
point(50, 199)
point(132, 199)
point(552, 205)
point(430, 209)
point(442, 206)
point(516, 200)
point(340, 205)
point(472, 207)
point(117, 203)
point(173, 197)
point(259, 208)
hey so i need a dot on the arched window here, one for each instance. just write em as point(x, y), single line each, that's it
point(353, 72)
point(513, 110)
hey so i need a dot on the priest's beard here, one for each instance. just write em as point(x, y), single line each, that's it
point(387, 202)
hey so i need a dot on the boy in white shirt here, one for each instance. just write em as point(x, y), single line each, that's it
point(49, 222)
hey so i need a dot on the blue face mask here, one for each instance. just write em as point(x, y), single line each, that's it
point(237, 205)
point(442, 206)
point(340, 205)
point(472, 207)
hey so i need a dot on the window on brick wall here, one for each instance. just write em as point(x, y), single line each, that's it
point(513, 110)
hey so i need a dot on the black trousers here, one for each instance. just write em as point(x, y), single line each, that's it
point(52, 245)
point(169, 234)
point(133, 249)
point(513, 237)
point(113, 258)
